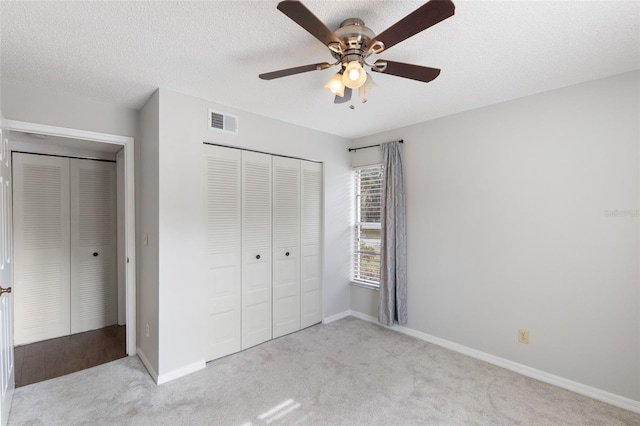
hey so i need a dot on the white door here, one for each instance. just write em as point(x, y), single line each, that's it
point(7, 370)
point(311, 297)
point(286, 246)
point(222, 251)
point(41, 247)
point(94, 291)
point(256, 248)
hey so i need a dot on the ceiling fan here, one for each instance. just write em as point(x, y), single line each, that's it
point(353, 43)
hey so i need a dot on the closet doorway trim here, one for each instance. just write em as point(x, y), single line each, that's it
point(129, 197)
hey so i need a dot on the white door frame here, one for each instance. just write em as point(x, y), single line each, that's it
point(129, 203)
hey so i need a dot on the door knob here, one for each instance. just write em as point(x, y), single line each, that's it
point(258, 257)
point(286, 254)
point(5, 290)
point(95, 253)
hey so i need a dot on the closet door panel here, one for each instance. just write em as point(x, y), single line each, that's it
point(94, 291)
point(41, 247)
point(286, 246)
point(311, 242)
point(222, 251)
point(256, 248)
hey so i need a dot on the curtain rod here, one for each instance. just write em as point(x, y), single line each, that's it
point(370, 146)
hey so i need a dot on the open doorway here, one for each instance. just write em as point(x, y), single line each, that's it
point(92, 346)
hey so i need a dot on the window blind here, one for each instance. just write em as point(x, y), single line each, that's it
point(368, 186)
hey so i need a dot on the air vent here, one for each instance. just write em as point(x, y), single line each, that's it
point(223, 122)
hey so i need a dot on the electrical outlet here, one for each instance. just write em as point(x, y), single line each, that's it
point(523, 335)
point(147, 330)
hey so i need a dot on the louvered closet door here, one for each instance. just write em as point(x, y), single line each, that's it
point(256, 248)
point(286, 246)
point(311, 297)
point(41, 247)
point(94, 291)
point(222, 250)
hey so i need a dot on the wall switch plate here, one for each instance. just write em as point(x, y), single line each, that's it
point(523, 335)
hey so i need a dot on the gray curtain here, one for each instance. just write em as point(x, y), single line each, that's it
point(392, 305)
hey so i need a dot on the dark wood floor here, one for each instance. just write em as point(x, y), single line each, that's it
point(56, 357)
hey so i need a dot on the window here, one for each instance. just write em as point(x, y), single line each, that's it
point(368, 184)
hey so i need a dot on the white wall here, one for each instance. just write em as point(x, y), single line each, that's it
point(183, 129)
point(40, 105)
point(147, 196)
point(507, 228)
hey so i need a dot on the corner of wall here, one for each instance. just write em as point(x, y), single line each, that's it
point(146, 158)
point(147, 364)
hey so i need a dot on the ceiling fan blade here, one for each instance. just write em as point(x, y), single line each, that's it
point(307, 20)
point(294, 70)
point(345, 98)
point(420, 19)
point(399, 69)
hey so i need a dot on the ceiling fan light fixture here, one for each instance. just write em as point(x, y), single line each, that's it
point(336, 85)
point(354, 75)
point(366, 87)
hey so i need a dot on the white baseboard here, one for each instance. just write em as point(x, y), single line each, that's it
point(337, 317)
point(147, 365)
point(183, 371)
point(543, 376)
point(366, 317)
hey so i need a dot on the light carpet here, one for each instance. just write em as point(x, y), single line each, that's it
point(349, 372)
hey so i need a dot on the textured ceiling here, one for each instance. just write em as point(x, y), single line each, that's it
point(489, 52)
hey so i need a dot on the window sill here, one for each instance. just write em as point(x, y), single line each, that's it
point(366, 285)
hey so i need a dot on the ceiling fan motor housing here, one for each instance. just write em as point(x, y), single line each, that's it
point(355, 35)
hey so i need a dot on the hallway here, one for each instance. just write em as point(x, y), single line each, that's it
point(45, 360)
